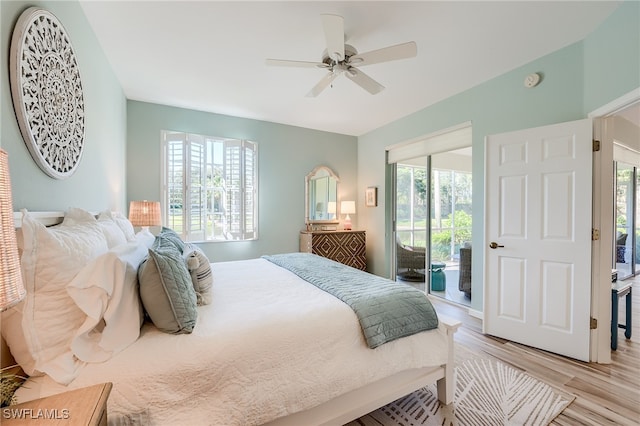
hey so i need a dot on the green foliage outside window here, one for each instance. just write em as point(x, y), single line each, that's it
point(441, 240)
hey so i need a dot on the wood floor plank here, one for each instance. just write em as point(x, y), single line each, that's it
point(605, 394)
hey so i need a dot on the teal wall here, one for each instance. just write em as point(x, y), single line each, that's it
point(286, 155)
point(611, 57)
point(121, 160)
point(99, 182)
point(576, 80)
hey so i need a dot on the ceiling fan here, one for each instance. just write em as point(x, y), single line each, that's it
point(340, 58)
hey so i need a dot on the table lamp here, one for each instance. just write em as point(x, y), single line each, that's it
point(145, 214)
point(347, 207)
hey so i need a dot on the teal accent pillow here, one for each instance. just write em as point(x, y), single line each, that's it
point(166, 289)
point(172, 236)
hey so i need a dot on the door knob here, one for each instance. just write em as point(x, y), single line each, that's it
point(494, 245)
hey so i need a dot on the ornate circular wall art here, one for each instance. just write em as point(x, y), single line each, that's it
point(47, 92)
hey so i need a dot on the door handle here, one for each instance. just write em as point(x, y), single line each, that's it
point(494, 245)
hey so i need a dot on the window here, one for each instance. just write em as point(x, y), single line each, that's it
point(210, 187)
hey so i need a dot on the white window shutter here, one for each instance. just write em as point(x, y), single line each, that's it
point(173, 180)
point(195, 189)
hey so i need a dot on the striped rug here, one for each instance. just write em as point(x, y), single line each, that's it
point(488, 393)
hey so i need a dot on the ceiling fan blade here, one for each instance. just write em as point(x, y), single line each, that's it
point(364, 81)
point(333, 26)
point(391, 53)
point(300, 64)
point(322, 84)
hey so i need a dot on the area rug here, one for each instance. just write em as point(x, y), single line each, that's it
point(487, 393)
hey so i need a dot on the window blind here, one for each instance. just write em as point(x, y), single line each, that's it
point(446, 140)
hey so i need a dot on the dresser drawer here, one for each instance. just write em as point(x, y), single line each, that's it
point(348, 247)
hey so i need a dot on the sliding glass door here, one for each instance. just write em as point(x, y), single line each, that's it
point(435, 255)
point(431, 213)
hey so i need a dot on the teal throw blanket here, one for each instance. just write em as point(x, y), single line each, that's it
point(387, 310)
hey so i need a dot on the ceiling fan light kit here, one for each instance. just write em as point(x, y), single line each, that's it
point(340, 58)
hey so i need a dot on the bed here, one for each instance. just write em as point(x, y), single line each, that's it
point(269, 348)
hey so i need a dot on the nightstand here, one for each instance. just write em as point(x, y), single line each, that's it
point(86, 406)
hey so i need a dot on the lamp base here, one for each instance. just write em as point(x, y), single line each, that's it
point(144, 230)
point(347, 223)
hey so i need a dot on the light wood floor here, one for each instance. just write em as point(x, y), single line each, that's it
point(605, 394)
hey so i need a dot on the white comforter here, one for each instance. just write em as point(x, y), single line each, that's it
point(268, 345)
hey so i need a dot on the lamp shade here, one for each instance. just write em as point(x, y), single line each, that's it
point(11, 287)
point(348, 207)
point(145, 213)
point(331, 207)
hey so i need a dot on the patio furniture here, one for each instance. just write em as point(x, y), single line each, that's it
point(412, 259)
point(620, 289)
point(438, 278)
point(464, 280)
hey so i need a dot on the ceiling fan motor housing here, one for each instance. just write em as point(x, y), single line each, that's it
point(349, 51)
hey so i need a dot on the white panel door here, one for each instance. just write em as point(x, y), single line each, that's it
point(538, 237)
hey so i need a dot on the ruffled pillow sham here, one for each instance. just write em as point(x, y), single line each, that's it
point(39, 329)
point(82, 302)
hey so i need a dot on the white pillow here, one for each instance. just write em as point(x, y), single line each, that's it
point(44, 323)
point(145, 237)
point(123, 223)
point(200, 270)
point(77, 216)
point(107, 292)
point(112, 232)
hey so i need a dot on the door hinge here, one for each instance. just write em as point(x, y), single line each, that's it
point(595, 234)
point(593, 323)
point(596, 145)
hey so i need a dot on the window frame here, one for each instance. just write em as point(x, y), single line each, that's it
point(245, 227)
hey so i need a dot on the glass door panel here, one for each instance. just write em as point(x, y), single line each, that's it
point(451, 208)
point(636, 241)
point(411, 221)
point(624, 215)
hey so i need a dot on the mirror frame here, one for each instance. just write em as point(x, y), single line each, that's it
point(308, 179)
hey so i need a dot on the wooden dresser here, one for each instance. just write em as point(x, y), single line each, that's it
point(348, 247)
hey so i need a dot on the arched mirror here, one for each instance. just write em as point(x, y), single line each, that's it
point(321, 196)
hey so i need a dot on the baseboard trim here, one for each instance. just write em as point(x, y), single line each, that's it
point(476, 314)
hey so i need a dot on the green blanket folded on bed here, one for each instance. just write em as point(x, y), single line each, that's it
point(387, 310)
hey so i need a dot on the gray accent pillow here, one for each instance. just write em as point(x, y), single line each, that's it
point(200, 269)
point(166, 289)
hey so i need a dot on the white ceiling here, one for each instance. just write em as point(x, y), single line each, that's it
point(210, 55)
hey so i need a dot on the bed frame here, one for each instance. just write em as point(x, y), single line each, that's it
point(358, 402)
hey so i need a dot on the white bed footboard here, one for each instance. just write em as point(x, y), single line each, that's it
point(447, 384)
point(361, 401)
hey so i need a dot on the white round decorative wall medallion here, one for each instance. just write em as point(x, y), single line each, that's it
point(47, 92)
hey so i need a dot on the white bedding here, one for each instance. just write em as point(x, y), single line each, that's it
point(268, 345)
